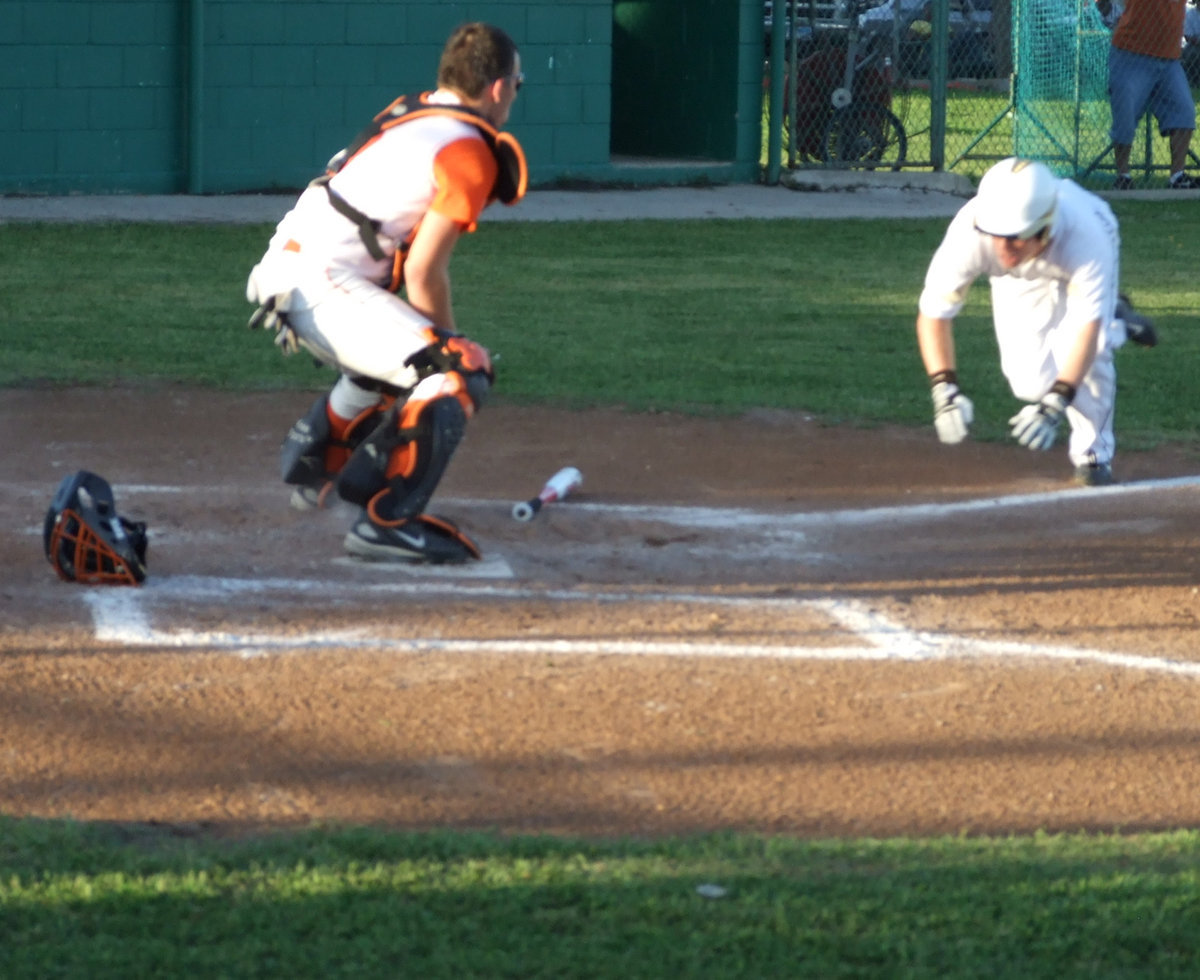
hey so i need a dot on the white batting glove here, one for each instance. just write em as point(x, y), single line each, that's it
point(953, 412)
point(1036, 426)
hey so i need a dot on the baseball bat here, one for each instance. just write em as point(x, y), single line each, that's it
point(556, 488)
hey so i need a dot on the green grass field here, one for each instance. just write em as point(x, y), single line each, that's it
point(703, 317)
point(712, 316)
point(105, 902)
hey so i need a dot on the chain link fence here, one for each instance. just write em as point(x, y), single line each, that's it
point(956, 85)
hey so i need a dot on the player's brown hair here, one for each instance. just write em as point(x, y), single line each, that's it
point(475, 55)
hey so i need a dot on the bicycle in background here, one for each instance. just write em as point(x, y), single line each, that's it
point(842, 95)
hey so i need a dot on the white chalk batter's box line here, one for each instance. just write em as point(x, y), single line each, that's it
point(122, 617)
point(763, 534)
point(731, 518)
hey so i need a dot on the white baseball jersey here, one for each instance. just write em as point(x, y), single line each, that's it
point(434, 163)
point(1077, 271)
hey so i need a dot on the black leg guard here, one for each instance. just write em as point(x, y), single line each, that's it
point(430, 439)
point(311, 456)
point(302, 458)
point(410, 495)
point(365, 473)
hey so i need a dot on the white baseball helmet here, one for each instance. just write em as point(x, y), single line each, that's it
point(1016, 198)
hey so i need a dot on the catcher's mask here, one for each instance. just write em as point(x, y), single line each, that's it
point(87, 541)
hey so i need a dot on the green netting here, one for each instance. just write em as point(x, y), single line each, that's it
point(1060, 93)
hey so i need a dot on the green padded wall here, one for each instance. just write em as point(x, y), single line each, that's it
point(91, 95)
point(216, 96)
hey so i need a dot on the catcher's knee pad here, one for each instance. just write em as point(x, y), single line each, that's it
point(313, 453)
point(453, 356)
point(406, 457)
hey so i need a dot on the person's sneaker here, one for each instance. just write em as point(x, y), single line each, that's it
point(1094, 475)
point(1123, 182)
point(1139, 328)
point(1185, 182)
point(421, 539)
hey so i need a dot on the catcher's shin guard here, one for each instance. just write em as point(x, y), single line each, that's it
point(318, 445)
point(398, 467)
point(302, 456)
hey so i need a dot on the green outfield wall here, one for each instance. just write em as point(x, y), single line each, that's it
point(223, 96)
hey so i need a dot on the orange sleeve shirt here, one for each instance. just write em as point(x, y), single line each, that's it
point(1151, 27)
point(465, 173)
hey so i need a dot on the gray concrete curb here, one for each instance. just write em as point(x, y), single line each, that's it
point(853, 180)
point(806, 194)
point(873, 196)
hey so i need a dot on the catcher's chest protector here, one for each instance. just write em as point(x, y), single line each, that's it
point(512, 172)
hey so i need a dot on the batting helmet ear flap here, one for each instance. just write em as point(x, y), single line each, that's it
point(87, 541)
point(512, 180)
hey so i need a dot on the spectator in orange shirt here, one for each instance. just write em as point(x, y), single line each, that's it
point(1145, 73)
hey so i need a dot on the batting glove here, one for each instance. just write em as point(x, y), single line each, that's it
point(1036, 426)
point(953, 412)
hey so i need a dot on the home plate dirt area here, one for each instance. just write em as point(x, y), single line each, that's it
point(753, 623)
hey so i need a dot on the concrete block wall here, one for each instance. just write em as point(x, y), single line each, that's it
point(288, 84)
point(91, 95)
point(215, 96)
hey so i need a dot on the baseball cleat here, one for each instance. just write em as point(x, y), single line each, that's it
point(422, 539)
point(1094, 475)
point(1139, 328)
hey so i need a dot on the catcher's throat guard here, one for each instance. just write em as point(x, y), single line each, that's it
point(87, 541)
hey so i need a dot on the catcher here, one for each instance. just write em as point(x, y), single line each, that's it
point(1050, 251)
point(384, 220)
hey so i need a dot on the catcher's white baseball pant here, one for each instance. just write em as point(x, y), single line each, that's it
point(346, 320)
point(1028, 317)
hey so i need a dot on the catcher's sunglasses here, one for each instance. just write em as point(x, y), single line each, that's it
point(518, 79)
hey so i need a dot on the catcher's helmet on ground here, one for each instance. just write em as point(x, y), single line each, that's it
point(87, 541)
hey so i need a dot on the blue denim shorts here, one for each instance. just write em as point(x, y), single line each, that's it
point(1137, 83)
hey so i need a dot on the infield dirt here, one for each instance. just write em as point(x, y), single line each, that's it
point(679, 647)
point(754, 623)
